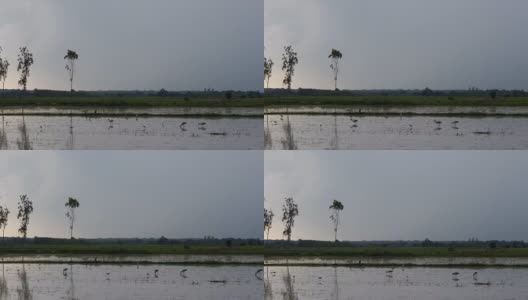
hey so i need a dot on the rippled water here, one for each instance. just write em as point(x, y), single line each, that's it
point(124, 133)
point(283, 282)
point(65, 281)
point(347, 132)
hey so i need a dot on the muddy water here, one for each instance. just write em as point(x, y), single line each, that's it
point(346, 132)
point(283, 282)
point(57, 132)
point(65, 281)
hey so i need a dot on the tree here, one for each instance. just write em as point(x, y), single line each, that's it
point(335, 56)
point(268, 67)
point(4, 213)
point(268, 220)
point(25, 60)
point(71, 205)
point(289, 60)
point(4, 67)
point(71, 57)
point(493, 94)
point(336, 208)
point(289, 212)
point(25, 208)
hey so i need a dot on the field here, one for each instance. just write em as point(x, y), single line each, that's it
point(146, 249)
point(395, 101)
point(129, 101)
point(403, 252)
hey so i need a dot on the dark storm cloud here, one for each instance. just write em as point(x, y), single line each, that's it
point(177, 194)
point(402, 44)
point(394, 195)
point(135, 44)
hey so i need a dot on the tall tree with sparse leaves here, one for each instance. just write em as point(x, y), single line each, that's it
point(268, 68)
point(4, 214)
point(335, 56)
point(25, 61)
point(336, 208)
point(290, 210)
point(25, 208)
point(4, 67)
point(268, 220)
point(71, 205)
point(71, 57)
point(289, 60)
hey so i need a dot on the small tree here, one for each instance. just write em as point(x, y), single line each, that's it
point(268, 220)
point(289, 212)
point(4, 67)
point(71, 57)
point(268, 67)
point(289, 60)
point(25, 60)
point(4, 214)
point(336, 208)
point(335, 56)
point(25, 208)
point(71, 205)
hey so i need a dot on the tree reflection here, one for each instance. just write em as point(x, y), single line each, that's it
point(3, 135)
point(24, 292)
point(288, 143)
point(23, 143)
point(3, 285)
point(289, 293)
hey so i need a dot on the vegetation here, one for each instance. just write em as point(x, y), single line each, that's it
point(71, 205)
point(4, 67)
point(25, 208)
point(71, 57)
point(4, 214)
point(268, 69)
point(336, 207)
point(25, 61)
point(335, 56)
point(268, 220)
point(289, 61)
point(289, 212)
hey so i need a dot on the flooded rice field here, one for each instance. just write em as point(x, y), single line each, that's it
point(109, 132)
point(310, 282)
point(393, 132)
point(73, 281)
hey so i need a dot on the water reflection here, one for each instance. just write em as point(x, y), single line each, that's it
point(267, 135)
point(3, 285)
point(24, 292)
point(3, 135)
point(24, 142)
point(289, 292)
point(288, 142)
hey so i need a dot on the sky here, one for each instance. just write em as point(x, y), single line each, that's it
point(406, 44)
point(128, 194)
point(401, 195)
point(136, 44)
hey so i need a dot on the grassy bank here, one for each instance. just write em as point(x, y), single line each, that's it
point(128, 101)
point(395, 101)
point(128, 250)
point(395, 252)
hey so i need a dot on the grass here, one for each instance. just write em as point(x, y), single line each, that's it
point(402, 252)
point(151, 249)
point(129, 101)
point(395, 101)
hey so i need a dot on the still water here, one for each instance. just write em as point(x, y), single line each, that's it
point(311, 282)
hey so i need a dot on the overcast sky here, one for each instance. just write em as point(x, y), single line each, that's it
point(401, 195)
point(177, 194)
point(136, 44)
point(447, 44)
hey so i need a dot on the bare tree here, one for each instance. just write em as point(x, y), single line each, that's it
point(335, 56)
point(4, 67)
point(71, 205)
point(25, 60)
point(268, 67)
point(289, 212)
point(71, 57)
point(25, 208)
point(336, 207)
point(4, 214)
point(268, 220)
point(289, 60)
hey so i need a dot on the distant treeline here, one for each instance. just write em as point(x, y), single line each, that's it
point(472, 92)
point(472, 243)
point(150, 93)
point(11, 241)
